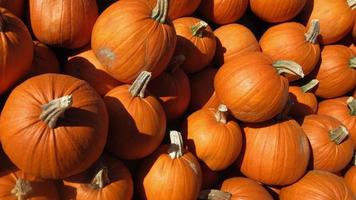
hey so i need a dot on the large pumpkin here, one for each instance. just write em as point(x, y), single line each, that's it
point(17, 7)
point(350, 177)
point(53, 126)
point(16, 42)
point(252, 88)
point(63, 23)
point(137, 120)
point(143, 39)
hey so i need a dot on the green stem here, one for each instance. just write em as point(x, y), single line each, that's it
point(198, 28)
point(351, 103)
point(101, 179)
point(309, 86)
point(159, 13)
point(176, 62)
point(138, 88)
point(351, 3)
point(221, 114)
point(176, 149)
point(289, 67)
point(21, 189)
point(214, 195)
point(55, 109)
point(313, 32)
point(338, 135)
point(352, 62)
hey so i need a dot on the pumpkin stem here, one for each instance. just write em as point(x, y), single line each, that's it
point(352, 62)
point(139, 86)
point(101, 179)
point(55, 109)
point(214, 195)
point(289, 67)
point(351, 3)
point(176, 148)
point(313, 32)
point(339, 134)
point(198, 28)
point(21, 189)
point(220, 115)
point(176, 62)
point(351, 103)
point(159, 13)
point(310, 85)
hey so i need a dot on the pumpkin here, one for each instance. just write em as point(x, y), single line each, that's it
point(275, 145)
point(171, 172)
point(350, 177)
point(202, 89)
point(342, 109)
point(317, 184)
point(63, 23)
point(304, 101)
point(249, 95)
point(223, 11)
point(237, 188)
point(63, 127)
point(141, 32)
point(16, 41)
point(15, 184)
point(336, 18)
point(337, 74)
point(17, 7)
point(137, 120)
point(173, 89)
point(86, 66)
point(292, 41)
point(213, 138)
point(274, 11)
point(233, 40)
point(332, 149)
point(196, 41)
point(108, 178)
point(44, 60)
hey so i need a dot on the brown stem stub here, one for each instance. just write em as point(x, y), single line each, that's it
point(221, 114)
point(313, 32)
point(352, 62)
point(310, 85)
point(339, 134)
point(101, 179)
point(159, 13)
point(138, 88)
point(176, 149)
point(214, 195)
point(53, 110)
point(198, 28)
point(176, 62)
point(288, 67)
point(351, 3)
point(351, 103)
point(21, 189)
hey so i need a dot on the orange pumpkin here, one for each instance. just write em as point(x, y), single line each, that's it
point(63, 127)
point(44, 60)
point(17, 7)
point(137, 120)
point(143, 39)
point(350, 177)
point(317, 185)
point(16, 41)
point(233, 40)
point(86, 66)
point(160, 175)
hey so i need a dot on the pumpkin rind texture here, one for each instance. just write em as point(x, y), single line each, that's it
point(350, 179)
point(179, 8)
point(44, 60)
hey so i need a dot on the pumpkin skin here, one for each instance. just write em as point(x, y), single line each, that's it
point(287, 41)
point(274, 11)
point(223, 11)
point(16, 7)
point(281, 144)
point(86, 66)
point(336, 76)
point(327, 155)
point(181, 8)
point(64, 27)
point(40, 189)
point(44, 60)
point(119, 184)
point(66, 149)
point(305, 102)
point(199, 48)
point(136, 35)
point(16, 41)
point(350, 179)
point(233, 40)
point(316, 185)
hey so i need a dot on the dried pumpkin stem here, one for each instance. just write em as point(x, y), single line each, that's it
point(139, 86)
point(351, 103)
point(55, 109)
point(21, 189)
point(159, 13)
point(339, 134)
point(221, 114)
point(101, 179)
point(288, 67)
point(309, 86)
point(352, 62)
point(176, 147)
point(351, 3)
point(198, 28)
point(214, 195)
point(313, 32)
point(176, 62)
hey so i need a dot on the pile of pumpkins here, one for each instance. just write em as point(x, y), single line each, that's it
point(177, 99)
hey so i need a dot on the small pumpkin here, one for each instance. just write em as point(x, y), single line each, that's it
point(336, 74)
point(350, 177)
point(141, 32)
point(16, 41)
point(86, 66)
point(44, 60)
point(16, 7)
point(63, 23)
point(332, 149)
point(137, 120)
point(223, 11)
point(292, 41)
point(213, 138)
point(171, 172)
point(196, 41)
point(233, 40)
point(342, 109)
point(317, 184)
point(63, 127)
